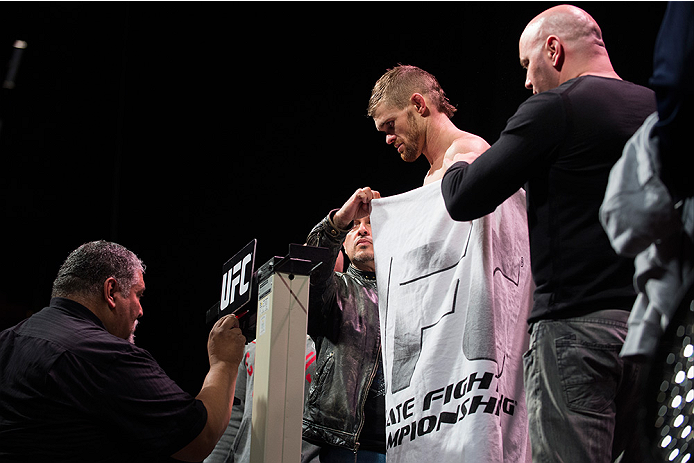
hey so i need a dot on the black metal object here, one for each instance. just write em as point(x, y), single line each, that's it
point(301, 260)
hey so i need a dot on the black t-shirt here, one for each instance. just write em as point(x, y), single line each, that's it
point(71, 391)
point(561, 144)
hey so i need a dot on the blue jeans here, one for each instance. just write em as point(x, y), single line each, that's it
point(330, 454)
point(582, 398)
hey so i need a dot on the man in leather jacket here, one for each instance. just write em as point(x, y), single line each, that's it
point(345, 410)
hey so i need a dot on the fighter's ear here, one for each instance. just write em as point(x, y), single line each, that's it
point(555, 51)
point(419, 103)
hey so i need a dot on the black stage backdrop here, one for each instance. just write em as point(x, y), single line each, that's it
point(184, 130)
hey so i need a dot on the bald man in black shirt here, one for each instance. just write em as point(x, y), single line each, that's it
point(561, 144)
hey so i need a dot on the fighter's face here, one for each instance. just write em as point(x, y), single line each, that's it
point(402, 130)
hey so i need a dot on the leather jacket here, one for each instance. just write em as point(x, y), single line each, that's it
point(343, 322)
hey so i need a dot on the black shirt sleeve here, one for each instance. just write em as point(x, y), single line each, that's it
point(529, 140)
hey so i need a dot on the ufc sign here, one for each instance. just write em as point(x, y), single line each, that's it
point(237, 274)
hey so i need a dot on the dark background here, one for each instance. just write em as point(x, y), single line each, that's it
point(185, 130)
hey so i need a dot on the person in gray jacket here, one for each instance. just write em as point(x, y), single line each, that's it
point(235, 444)
point(345, 410)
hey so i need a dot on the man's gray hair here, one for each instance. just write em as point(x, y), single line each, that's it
point(87, 267)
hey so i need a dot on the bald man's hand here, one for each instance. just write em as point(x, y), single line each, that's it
point(470, 157)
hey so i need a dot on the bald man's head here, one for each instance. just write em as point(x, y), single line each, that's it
point(559, 44)
point(569, 23)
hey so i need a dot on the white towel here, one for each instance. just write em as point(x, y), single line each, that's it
point(453, 302)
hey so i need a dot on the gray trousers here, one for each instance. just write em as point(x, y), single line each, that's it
point(582, 398)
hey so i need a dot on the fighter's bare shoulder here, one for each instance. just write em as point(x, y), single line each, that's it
point(467, 143)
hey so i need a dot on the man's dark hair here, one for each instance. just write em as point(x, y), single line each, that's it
point(87, 267)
